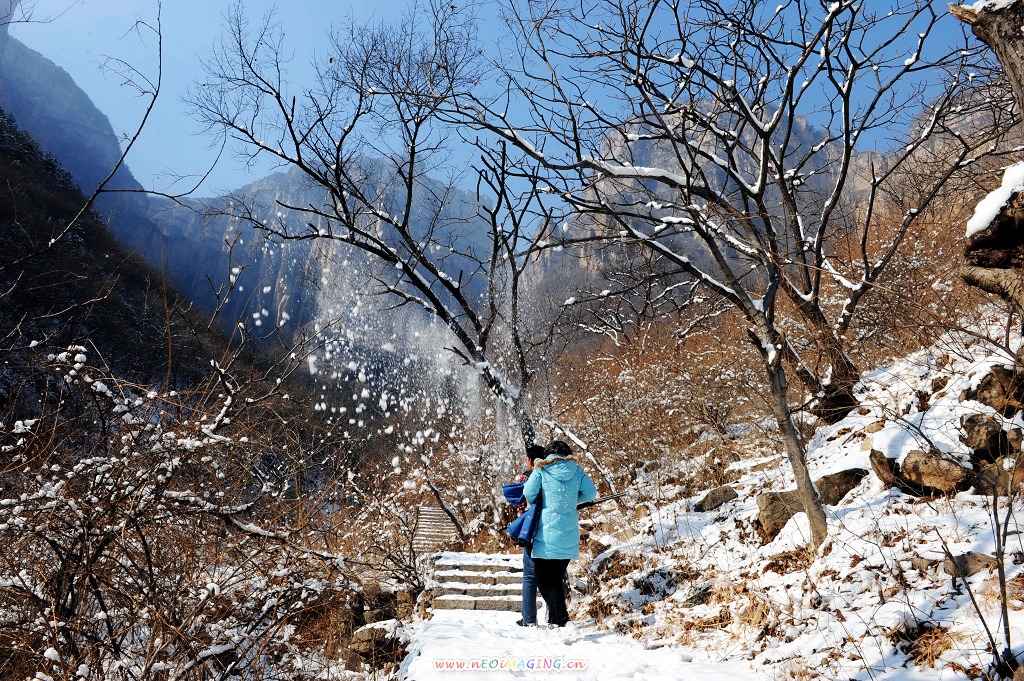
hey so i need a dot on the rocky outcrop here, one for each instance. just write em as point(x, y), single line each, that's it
point(774, 509)
point(968, 564)
point(984, 436)
point(197, 244)
point(715, 499)
point(929, 473)
point(932, 470)
point(379, 643)
point(1002, 389)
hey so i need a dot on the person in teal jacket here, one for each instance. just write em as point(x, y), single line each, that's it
point(562, 485)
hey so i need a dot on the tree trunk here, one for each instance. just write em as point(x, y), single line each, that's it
point(806, 491)
point(1000, 29)
point(837, 399)
point(521, 413)
point(995, 255)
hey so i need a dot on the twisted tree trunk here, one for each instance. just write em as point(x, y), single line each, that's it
point(995, 255)
point(1000, 29)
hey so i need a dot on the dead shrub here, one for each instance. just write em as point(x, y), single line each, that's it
point(618, 564)
point(924, 643)
point(325, 624)
point(719, 620)
point(790, 561)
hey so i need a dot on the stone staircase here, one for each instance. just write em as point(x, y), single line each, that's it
point(477, 581)
point(434, 529)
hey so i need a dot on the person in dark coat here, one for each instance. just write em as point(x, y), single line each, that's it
point(529, 606)
point(564, 485)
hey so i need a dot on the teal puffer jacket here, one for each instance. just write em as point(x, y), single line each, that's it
point(564, 484)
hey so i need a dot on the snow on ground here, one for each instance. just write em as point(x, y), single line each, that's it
point(468, 645)
point(704, 580)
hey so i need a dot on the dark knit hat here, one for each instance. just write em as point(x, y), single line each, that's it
point(559, 448)
point(535, 452)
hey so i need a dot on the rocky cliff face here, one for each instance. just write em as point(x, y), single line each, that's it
point(298, 282)
point(197, 246)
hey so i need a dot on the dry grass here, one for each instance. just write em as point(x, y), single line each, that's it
point(619, 564)
point(924, 643)
point(790, 561)
point(325, 624)
point(796, 670)
point(719, 620)
point(1014, 592)
point(490, 541)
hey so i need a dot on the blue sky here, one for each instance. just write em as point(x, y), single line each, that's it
point(84, 32)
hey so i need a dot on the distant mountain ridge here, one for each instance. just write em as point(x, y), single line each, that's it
point(195, 243)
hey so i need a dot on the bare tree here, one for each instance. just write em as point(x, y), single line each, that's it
point(366, 135)
point(739, 142)
point(14, 12)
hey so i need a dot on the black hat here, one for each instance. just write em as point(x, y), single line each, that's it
point(559, 448)
point(535, 452)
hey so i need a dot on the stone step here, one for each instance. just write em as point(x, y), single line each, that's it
point(509, 603)
point(434, 515)
point(478, 590)
point(477, 577)
point(464, 566)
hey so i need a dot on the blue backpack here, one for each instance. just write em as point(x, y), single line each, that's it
point(524, 528)
point(513, 493)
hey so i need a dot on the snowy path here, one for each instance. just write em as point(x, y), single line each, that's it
point(446, 648)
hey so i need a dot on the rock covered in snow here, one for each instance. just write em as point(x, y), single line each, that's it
point(379, 641)
point(776, 508)
point(934, 470)
point(983, 434)
point(715, 499)
point(968, 564)
point(1000, 477)
point(988, 208)
point(1002, 388)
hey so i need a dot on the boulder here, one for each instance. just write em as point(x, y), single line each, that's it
point(969, 563)
point(984, 436)
point(923, 565)
point(874, 426)
point(833, 487)
point(886, 469)
point(934, 470)
point(714, 499)
point(774, 509)
point(1002, 389)
point(378, 642)
point(999, 476)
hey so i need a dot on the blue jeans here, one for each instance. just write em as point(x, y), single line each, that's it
point(529, 589)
